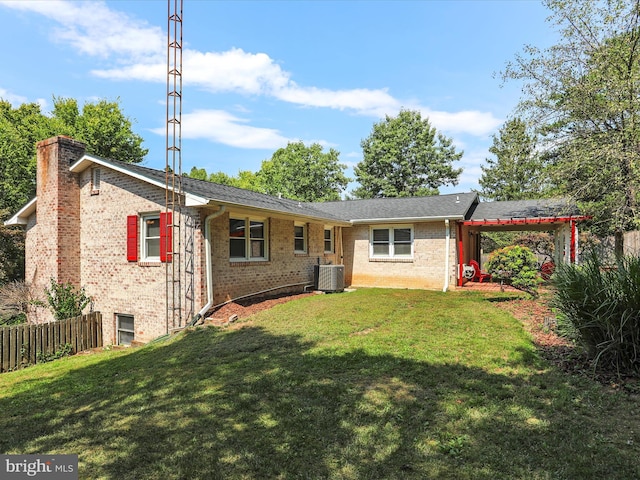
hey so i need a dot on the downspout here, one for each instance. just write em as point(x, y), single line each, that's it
point(447, 237)
point(208, 264)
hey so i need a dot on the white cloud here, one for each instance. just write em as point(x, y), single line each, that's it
point(234, 71)
point(472, 122)
point(95, 29)
point(12, 98)
point(222, 127)
point(16, 100)
point(146, 72)
point(363, 101)
point(138, 50)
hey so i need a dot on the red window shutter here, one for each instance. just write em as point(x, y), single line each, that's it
point(132, 238)
point(166, 237)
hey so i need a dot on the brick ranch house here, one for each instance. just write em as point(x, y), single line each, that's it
point(103, 225)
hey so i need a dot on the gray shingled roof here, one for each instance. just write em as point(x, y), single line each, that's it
point(232, 195)
point(439, 206)
point(425, 208)
point(542, 208)
point(462, 206)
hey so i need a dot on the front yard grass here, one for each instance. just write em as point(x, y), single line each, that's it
point(373, 384)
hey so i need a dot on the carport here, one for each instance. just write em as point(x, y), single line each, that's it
point(558, 216)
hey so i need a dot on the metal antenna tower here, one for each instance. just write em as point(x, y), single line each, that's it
point(173, 168)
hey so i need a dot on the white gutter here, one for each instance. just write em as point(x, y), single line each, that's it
point(406, 219)
point(22, 217)
point(447, 237)
point(208, 261)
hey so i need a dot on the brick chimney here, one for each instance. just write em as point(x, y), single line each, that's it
point(58, 212)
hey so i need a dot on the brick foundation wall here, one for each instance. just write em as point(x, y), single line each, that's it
point(425, 270)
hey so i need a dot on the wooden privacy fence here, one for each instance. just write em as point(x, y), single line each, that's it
point(28, 344)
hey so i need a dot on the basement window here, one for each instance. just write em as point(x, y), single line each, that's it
point(125, 329)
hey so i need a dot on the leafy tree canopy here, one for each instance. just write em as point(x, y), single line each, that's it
point(517, 172)
point(404, 156)
point(245, 179)
point(304, 173)
point(101, 125)
point(297, 171)
point(582, 92)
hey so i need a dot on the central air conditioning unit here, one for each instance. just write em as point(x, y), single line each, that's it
point(329, 278)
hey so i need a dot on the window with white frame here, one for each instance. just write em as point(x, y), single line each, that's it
point(300, 237)
point(328, 240)
point(150, 238)
point(247, 239)
point(95, 181)
point(125, 329)
point(391, 241)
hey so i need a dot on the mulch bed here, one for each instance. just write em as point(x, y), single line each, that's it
point(539, 320)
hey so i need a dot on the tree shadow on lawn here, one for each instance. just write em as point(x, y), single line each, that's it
point(250, 404)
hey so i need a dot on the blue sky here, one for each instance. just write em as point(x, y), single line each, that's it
point(258, 74)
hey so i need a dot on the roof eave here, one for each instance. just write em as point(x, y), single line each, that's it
point(282, 213)
point(360, 221)
point(22, 216)
point(86, 161)
point(526, 220)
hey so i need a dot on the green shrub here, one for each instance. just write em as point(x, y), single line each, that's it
point(599, 306)
point(63, 351)
point(517, 266)
point(65, 300)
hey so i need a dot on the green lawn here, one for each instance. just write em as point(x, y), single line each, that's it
point(373, 384)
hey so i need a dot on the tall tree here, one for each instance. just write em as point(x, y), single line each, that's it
point(245, 179)
point(404, 156)
point(101, 125)
point(584, 92)
point(517, 172)
point(20, 129)
point(304, 173)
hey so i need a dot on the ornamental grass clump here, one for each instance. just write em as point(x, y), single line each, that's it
point(599, 307)
point(517, 266)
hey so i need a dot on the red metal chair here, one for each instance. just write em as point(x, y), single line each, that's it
point(547, 269)
point(478, 275)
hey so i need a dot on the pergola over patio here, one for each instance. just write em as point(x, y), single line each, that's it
point(559, 216)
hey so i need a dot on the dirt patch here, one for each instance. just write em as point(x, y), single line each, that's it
point(247, 307)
